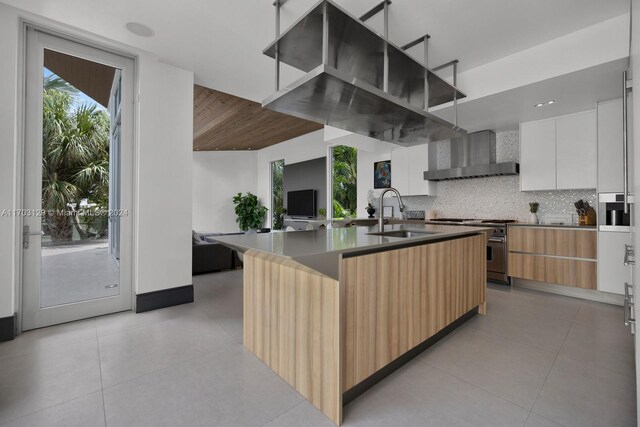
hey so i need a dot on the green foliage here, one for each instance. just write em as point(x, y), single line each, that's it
point(339, 211)
point(277, 191)
point(345, 181)
point(322, 213)
point(533, 207)
point(249, 213)
point(75, 162)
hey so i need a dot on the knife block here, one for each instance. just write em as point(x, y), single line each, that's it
point(589, 218)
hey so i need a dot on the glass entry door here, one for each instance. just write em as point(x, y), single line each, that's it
point(77, 182)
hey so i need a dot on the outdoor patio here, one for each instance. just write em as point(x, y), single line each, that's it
point(77, 272)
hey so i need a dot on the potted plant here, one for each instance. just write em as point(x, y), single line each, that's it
point(322, 213)
point(249, 214)
point(370, 210)
point(533, 212)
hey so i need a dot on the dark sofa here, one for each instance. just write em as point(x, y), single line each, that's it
point(209, 256)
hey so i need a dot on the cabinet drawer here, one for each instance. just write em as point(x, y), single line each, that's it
point(527, 239)
point(526, 266)
point(571, 243)
point(562, 271)
point(554, 241)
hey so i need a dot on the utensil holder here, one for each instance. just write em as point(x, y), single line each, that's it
point(583, 220)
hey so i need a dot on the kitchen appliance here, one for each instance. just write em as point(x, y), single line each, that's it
point(358, 80)
point(472, 156)
point(414, 214)
point(496, 246)
point(611, 208)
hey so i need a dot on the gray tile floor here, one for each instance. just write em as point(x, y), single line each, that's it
point(534, 360)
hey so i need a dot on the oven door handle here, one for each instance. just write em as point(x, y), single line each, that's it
point(497, 239)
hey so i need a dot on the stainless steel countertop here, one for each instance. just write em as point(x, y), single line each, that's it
point(321, 249)
point(581, 227)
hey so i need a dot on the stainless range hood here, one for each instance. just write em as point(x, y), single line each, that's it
point(473, 156)
point(358, 80)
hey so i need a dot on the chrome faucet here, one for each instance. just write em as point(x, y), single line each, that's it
point(381, 206)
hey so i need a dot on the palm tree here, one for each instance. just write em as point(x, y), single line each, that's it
point(345, 180)
point(75, 163)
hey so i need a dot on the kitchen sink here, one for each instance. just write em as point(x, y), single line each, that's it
point(403, 233)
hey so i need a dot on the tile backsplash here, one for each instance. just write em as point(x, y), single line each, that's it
point(494, 197)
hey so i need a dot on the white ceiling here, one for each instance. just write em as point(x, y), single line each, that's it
point(573, 92)
point(221, 40)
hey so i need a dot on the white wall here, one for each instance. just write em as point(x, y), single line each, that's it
point(317, 144)
point(163, 163)
point(217, 177)
point(165, 141)
point(8, 115)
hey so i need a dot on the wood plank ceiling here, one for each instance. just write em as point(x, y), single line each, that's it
point(91, 78)
point(227, 122)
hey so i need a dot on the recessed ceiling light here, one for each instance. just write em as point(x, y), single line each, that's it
point(542, 104)
point(140, 29)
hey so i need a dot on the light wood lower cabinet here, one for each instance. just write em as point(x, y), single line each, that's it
point(554, 255)
point(291, 318)
point(395, 300)
point(574, 243)
point(325, 336)
point(561, 271)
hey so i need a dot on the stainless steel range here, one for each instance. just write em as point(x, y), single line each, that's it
point(496, 246)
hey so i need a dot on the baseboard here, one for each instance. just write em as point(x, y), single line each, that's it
point(569, 291)
point(164, 298)
point(8, 327)
point(355, 391)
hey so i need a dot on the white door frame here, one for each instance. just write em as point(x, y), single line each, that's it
point(31, 316)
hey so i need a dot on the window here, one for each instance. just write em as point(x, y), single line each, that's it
point(277, 195)
point(344, 178)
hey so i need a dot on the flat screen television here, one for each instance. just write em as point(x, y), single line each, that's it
point(301, 203)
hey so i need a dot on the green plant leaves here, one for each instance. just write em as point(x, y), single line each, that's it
point(249, 213)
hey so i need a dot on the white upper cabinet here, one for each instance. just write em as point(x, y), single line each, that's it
point(418, 164)
point(577, 151)
point(537, 155)
point(407, 171)
point(559, 153)
point(399, 170)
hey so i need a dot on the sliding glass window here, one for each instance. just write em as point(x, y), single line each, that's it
point(344, 178)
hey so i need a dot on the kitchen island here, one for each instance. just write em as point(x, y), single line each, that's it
point(334, 311)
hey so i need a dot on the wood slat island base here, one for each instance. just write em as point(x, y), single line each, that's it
point(331, 339)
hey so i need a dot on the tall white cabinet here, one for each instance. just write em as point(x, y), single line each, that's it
point(559, 153)
point(612, 273)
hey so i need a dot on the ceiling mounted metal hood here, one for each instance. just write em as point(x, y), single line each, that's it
point(473, 156)
point(357, 80)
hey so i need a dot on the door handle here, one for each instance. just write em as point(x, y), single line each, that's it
point(628, 306)
point(26, 233)
point(629, 252)
point(628, 291)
